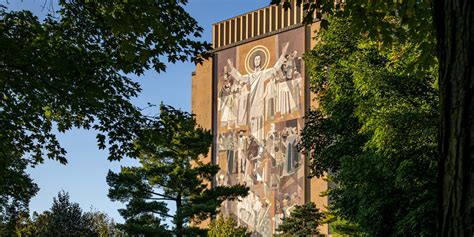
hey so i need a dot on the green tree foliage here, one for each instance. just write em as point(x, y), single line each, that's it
point(18, 225)
point(16, 190)
point(65, 218)
point(226, 227)
point(37, 226)
point(374, 132)
point(303, 221)
point(103, 225)
point(171, 171)
point(70, 70)
point(343, 228)
point(388, 22)
point(416, 22)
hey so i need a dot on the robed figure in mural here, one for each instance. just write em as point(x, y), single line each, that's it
point(256, 78)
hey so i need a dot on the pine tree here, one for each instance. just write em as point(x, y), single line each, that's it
point(303, 221)
point(170, 171)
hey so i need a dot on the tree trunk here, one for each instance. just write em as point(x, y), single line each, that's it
point(454, 20)
point(179, 217)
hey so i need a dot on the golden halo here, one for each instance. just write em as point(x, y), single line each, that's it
point(264, 55)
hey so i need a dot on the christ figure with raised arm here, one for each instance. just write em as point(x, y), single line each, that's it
point(256, 80)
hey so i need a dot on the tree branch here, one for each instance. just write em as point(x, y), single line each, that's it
point(163, 195)
point(163, 214)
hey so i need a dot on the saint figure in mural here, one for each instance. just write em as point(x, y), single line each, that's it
point(228, 101)
point(256, 78)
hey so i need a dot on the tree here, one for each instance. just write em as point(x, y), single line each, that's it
point(71, 70)
point(20, 225)
point(374, 132)
point(226, 227)
point(418, 21)
point(454, 23)
point(303, 221)
point(16, 191)
point(343, 228)
point(65, 218)
point(171, 171)
point(39, 224)
point(103, 225)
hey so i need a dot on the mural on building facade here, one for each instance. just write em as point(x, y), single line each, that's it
point(260, 109)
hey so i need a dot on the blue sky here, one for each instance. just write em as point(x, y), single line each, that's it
point(84, 176)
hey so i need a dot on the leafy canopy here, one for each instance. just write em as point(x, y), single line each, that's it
point(374, 132)
point(16, 190)
point(226, 227)
point(70, 70)
point(385, 22)
point(65, 218)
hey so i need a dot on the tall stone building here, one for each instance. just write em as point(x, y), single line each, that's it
point(253, 94)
